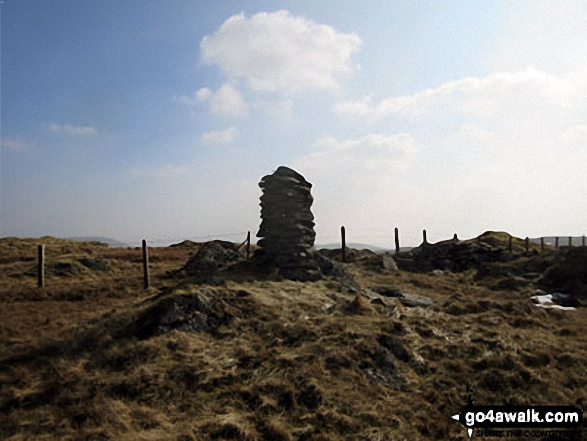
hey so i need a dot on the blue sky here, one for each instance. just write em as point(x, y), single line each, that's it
point(157, 119)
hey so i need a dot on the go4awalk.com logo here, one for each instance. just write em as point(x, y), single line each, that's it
point(524, 421)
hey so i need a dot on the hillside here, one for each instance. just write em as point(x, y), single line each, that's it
point(372, 354)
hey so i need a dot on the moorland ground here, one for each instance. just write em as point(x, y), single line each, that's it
point(273, 359)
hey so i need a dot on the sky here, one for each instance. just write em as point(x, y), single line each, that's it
point(157, 119)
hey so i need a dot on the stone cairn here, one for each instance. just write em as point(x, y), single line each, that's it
point(287, 225)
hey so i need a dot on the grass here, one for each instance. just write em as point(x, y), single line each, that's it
point(296, 361)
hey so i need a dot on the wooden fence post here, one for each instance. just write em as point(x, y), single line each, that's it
point(570, 241)
point(248, 244)
point(455, 237)
point(556, 242)
point(527, 244)
point(343, 236)
point(542, 244)
point(510, 243)
point(396, 240)
point(145, 264)
point(425, 241)
point(41, 266)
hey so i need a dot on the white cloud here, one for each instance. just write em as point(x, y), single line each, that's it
point(576, 134)
point(12, 144)
point(226, 101)
point(73, 130)
point(220, 137)
point(203, 94)
point(551, 36)
point(371, 154)
point(184, 100)
point(277, 51)
point(502, 151)
point(163, 171)
point(360, 183)
point(484, 96)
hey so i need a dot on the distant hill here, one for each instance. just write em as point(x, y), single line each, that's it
point(107, 240)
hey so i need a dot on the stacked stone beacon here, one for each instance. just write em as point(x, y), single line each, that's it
point(287, 224)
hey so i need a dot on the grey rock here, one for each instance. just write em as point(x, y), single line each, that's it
point(388, 263)
point(211, 257)
point(412, 300)
point(387, 291)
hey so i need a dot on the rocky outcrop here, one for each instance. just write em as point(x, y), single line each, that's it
point(568, 274)
point(457, 256)
point(287, 226)
point(211, 257)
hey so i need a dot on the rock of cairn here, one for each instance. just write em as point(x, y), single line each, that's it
point(287, 224)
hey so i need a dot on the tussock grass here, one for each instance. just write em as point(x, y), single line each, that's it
point(292, 360)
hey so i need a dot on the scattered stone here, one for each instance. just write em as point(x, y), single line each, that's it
point(203, 311)
point(338, 272)
point(568, 273)
point(211, 257)
point(336, 254)
point(387, 291)
point(95, 264)
point(413, 300)
point(388, 263)
point(377, 299)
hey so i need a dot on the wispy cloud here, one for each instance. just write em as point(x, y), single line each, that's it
point(484, 95)
point(226, 101)
point(355, 158)
point(220, 137)
point(278, 51)
point(13, 144)
point(163, 171)
point(73, 130)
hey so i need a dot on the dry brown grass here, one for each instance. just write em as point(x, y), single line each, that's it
point(300, 361)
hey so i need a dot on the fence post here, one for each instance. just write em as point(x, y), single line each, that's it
point(542, 244)
point(510, 243)
point(248, 244)
point(556, 242)
point(343, 248)
point(527, 244)
point(145, 264)
point(570, 241)
point(343, 236)
point(424, 237)
point(41, 266)
point(455, 238)
point(396, 240)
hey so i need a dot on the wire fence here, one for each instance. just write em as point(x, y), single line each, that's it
point(547, 241)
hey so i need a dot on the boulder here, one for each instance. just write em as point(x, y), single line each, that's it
point(413, 300)
point(568, 273)
point(211, 257)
